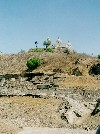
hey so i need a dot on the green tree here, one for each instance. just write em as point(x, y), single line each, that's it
point(99, 56)
point(47, 43)
point(95, 69)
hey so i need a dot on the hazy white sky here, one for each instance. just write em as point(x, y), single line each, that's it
point(22, 22)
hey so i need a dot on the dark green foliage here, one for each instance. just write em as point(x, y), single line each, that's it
point(33, 63)
point(36, 50)
point(99, 56)
point(49, 50)
point(95, 69)
point(47, 43)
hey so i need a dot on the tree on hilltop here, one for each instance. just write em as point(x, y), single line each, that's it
point(47, 42)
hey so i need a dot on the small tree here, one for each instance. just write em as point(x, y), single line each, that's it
point(33, 63)
point(95, 69)
point(99, 56)
point(47, 43)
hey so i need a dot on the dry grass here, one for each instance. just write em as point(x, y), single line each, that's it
point(58, 61)
point(80, 81)
point(17, 62)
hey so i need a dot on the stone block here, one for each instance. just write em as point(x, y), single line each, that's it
point(43, 86)
point(2, 82)
point(12, 79)
point(77, 113)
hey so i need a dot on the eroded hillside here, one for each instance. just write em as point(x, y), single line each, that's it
point(56, 62)
point(75, 67)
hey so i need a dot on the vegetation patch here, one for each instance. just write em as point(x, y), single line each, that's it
point(49, 50)
point(95, 69)
point(99, 56)
point(36, 50)
point(47, 43)
point(33, 63)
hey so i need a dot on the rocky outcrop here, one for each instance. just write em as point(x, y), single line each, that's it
point(76, 72)
point(97, 108)
point(75, 112)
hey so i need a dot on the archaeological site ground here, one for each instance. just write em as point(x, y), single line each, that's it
point(63, 92)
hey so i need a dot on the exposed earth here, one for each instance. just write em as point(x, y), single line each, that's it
point(72, 84)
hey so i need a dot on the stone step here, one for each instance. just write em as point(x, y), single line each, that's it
point(55, 131)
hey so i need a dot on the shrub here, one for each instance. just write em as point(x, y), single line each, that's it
point(95, 69)
point(49, 50)
point(99, 56)
point(36, 50)
point(33, 63)
point(31, 50)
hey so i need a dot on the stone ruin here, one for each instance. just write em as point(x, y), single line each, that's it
point(74, 110)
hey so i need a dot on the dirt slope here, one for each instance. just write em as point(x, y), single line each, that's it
point(15, 63)
point(58, 62)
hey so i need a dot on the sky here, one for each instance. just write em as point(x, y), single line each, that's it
point(22, 22)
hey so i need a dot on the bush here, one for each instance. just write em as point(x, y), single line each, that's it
point(31, 50)
point(95, 69)
point(99, 56)
point(33, 63)
point(36, 50)
point(49, 50)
